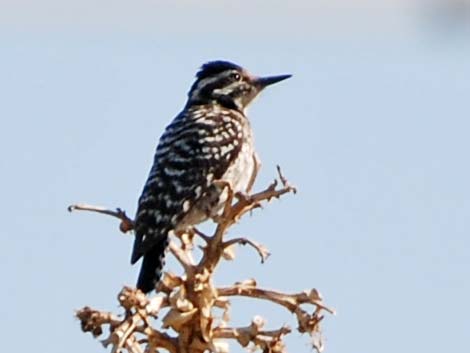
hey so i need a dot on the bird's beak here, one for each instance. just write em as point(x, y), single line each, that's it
point(263, 82)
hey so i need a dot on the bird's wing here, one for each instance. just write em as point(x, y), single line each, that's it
point(194, 151)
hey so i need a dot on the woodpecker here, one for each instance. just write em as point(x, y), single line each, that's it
point(210, 140)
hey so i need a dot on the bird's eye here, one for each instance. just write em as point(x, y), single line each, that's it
point(235, 76)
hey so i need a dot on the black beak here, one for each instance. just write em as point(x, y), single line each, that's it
point(263, 82)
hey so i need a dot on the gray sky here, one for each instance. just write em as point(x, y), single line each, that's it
point(372, 129)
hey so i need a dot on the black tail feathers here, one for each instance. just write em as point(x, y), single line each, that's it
point(152, 266)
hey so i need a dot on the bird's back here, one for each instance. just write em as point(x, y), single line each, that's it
point(202, 144)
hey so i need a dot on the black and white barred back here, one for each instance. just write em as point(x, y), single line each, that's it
point(210, 140)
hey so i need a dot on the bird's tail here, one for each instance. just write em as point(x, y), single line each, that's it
point(152, 266)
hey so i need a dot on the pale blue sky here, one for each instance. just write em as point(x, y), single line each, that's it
point(372, 129)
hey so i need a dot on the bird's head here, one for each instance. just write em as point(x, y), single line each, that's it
point(228, 84)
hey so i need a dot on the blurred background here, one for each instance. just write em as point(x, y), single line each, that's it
point(372, 129)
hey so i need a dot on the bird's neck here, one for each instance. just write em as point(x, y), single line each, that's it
point(225, 102)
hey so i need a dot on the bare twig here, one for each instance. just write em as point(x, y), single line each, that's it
point(284, 180)
point(289, 301)
point(261, 249)
point(126, 225)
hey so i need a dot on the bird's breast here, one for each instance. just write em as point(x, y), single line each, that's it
point(240, 172)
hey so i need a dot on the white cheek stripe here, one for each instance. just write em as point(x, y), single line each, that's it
point(202, 84)
point(226, 89)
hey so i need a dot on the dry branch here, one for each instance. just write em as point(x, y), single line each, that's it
point(261, 249)
point(186, 303)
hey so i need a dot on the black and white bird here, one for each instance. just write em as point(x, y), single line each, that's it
point(210, 140)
